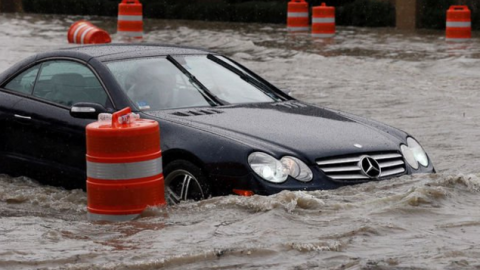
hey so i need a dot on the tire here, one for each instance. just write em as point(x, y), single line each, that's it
point(185, 181)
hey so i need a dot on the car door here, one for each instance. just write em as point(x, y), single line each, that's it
point(58, 140)
point(13, 150)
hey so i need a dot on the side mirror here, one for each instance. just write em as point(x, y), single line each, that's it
point(86, 110)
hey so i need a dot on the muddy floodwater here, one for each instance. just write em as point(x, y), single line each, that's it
point(411, 80)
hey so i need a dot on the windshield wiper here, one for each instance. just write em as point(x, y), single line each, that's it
point(267, 90)
point(204, 90)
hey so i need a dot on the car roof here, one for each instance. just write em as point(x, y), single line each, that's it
point(112, 52)
point(104, 53)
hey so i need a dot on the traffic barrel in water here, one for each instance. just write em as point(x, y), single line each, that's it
point(84, 32)
point(323, 21)
point(459, 25)
point(130, 19)
point(124, 167)
point(297, 16)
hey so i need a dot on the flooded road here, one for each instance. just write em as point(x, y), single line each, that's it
point(414, 81)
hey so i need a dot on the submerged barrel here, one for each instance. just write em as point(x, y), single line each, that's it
point(130, 19)
point(124, 167)
point(459, 25)
point(84, 32)
point(297, 16)
point(323, 21)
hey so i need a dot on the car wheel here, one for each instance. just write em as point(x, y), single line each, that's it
point(185, 181)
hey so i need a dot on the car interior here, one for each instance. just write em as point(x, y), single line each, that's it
point(70, 88)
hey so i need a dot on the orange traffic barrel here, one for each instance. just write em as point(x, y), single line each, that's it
point(84, 32)
point(297, 16)
point(459, 25)
point(124, 167)
point(130, 19)
point(323, 21)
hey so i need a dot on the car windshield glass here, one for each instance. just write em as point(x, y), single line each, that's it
point(247, 75)
point(225, 84)
point(156, 84)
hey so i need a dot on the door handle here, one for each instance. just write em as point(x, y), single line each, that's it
point(23, 117)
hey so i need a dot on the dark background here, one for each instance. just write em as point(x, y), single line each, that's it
point(369, 13)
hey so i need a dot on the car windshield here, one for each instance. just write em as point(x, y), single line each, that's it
point(186, 81)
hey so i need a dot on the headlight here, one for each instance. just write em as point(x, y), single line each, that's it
point(414, 153)
point(297, 169)
point(408, 155)
point(418, 152)
point(267, 167)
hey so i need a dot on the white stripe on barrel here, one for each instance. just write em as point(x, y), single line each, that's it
point(323, 35)
point(124, 171)
point(82, 38)
point(297, 14)
point(459, 24)
point(130, 18)
point(76, 32)
point(131, 33)
point(323, 20)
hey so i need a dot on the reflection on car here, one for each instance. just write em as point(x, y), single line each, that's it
point(224, 129)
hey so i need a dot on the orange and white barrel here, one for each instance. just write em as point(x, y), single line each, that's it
point(130, 19)
point(124, 167)
point(84, 32)
point(323, 21)
point(297, 16)
point(459, 25)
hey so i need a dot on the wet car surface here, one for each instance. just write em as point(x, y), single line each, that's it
point(224, 129)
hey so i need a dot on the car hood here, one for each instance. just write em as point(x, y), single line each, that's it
point(291, 128)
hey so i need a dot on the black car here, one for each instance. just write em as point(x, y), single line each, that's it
point(224, 129)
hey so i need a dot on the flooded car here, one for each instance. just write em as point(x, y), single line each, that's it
point(224, 129)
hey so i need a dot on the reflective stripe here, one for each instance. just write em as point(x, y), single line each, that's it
point(98, 217)
point(130, 18)
point(458, 39)
point(297, 14)
point(298, 28)
point(323, 20)
point(323, 35)
point(76, 32)
point(459, 24)
point(82, 38)
point(131, 33)
point(124, 171)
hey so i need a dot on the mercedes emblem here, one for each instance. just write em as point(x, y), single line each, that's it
point(369, 167)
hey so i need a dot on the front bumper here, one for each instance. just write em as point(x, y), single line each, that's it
point(320, 181)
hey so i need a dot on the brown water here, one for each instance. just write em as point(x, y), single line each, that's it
point(413, 81)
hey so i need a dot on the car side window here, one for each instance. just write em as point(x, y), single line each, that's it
point(67, 82)
point(24, 82)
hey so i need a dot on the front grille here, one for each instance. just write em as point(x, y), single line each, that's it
point(346, 169)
